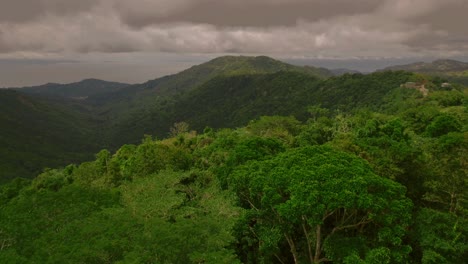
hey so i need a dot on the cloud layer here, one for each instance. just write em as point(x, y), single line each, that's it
point(310, 28)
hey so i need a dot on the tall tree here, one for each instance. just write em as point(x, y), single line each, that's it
point(323, 205)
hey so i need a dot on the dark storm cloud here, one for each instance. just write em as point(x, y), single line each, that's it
point(445, 27)
point(314, 28)
point(17, 11)
point(240, 13)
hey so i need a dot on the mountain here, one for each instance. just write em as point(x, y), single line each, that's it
point(228, 66)
point(133, 103)
point(44, 131)
point(39, 132)
point(376, 186)
point(448, 70)
point(45, 126)
point(358, 169)
point(188, 79)
point(77, 90)
point(231, 101)
point(342, 71)
point(437, 66)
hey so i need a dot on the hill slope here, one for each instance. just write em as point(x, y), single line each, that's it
point(145, 94)
point(38, 133)
point(139, 108)
point(225, 92)
point(77, 90)
point(377, 187)
point(43, 127)
point(437, 66)
point(449, 70)
point(231, 101)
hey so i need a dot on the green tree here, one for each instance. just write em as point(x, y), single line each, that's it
point(442, 236)
point(442, 125)
point(277, 127)
point(186, 218)
point(322, 204)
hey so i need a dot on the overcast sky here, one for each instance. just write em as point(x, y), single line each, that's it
point(136, 40)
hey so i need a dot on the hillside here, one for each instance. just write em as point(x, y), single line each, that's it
point(37, 133)
point(229, 91)
point(378, 186)
point(225, 92)
point(238, 99)
point(342, 71)
point(449, 70)
point(146, 93)
point(225, 66)
point(46, 126)
point(231, 101)
point(254, 187)
point(77, 90)
point(437, 66)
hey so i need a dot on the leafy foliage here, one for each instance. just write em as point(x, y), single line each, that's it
point(351, 169)
point(38, 133)
point(325, 198)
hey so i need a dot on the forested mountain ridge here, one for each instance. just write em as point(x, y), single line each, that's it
point(78, 90)
point(38, 132)
point(437, 66)
point(341, 71)
point(85, 111)
point(380, 184)
point(224, 93)
point(81, 116)
point(138, 96)
point(448, 70)
point(231, 101)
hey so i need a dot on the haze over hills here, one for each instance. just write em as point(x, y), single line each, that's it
point(437, 66)
point(341, 71)
point(449, 70)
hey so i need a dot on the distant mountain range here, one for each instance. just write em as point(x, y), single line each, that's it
point(450, 70)
point(56, 124)
point(341, 71)
point(437, 66)
point(77, 90)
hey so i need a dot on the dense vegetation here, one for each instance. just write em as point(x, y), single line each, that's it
point(376, 176)
point(78, 90)
point(108, 115)
point(37, 133)
point(231, 101)
point(449, 70)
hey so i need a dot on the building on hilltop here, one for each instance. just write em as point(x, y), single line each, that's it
point(416, 85)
